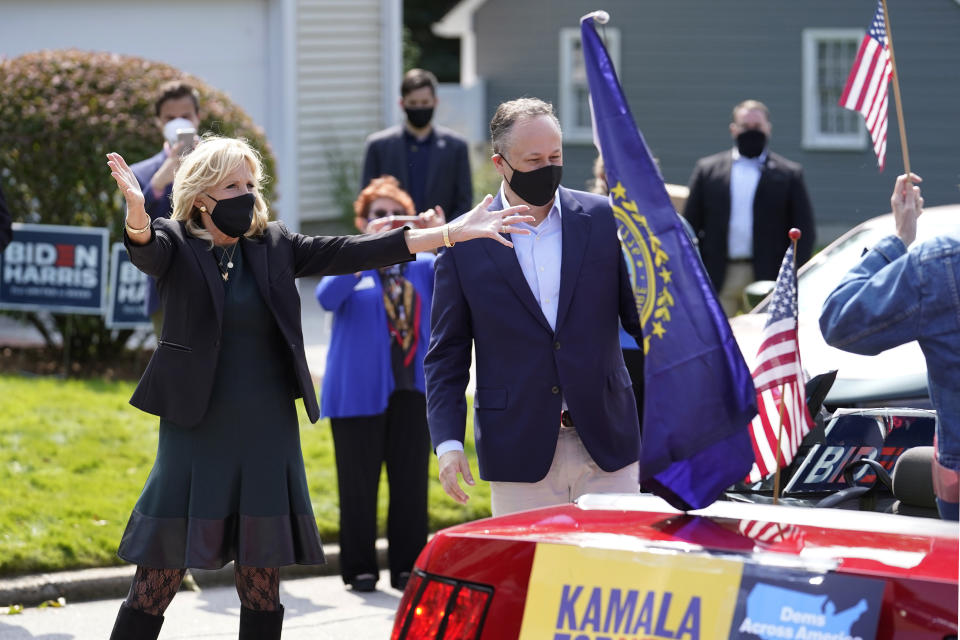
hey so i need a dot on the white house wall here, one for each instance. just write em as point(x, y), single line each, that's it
point(221, 41)
point(315, 74)
point(340, 89)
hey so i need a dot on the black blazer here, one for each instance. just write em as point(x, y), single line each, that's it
point(448, 182)
point(6, 231)
point(781, 202)
point(179, 377)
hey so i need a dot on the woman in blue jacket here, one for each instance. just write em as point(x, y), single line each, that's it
point(373, 393)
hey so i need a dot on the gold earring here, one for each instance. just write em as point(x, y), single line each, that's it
point(203, 209)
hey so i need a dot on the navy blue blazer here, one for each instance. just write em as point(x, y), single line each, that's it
point(448, 181)
point(358, 379)
point(523, 367)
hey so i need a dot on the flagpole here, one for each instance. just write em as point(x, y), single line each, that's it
point(896, 91)
point(776, 477)
point(794, 236)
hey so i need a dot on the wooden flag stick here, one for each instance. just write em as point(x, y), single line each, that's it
point(776, 477)
point(896, 92)
point(794, 236)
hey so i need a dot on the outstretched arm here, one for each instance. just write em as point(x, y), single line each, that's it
point(137, 221)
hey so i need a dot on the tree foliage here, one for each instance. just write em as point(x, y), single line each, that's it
point(60, 113)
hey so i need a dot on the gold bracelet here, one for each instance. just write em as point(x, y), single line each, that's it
point(446, 236)
point(133, 231)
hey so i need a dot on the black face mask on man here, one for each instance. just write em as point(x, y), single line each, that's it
point(536, 187)
point(751, 143)
point(419, 117)
point(233, 216)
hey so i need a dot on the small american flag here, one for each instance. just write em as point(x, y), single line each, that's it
point(778, 372)
point(867, 85)
point(769, 532)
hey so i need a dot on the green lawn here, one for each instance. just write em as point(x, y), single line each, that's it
point(74, 456)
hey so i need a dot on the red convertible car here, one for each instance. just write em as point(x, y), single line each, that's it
point(618, 567)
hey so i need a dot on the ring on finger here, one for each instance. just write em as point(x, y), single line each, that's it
point(504, 229)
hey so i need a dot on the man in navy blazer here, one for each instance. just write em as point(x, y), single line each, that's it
point(430, 162)
point(555, 415)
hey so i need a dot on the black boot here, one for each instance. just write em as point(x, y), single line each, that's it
point(133, 624)
point(260, 625)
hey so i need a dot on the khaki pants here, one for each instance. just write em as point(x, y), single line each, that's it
point(572, 474)
point(739, 275)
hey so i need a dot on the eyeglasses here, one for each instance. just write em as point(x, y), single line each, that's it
point(382, 213)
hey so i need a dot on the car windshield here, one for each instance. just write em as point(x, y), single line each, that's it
point(825, 271)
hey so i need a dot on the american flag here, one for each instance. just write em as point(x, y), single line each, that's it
point(769, 532)
point(867, 84)
point(778, 371)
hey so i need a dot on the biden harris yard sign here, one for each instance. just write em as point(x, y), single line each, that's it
point(54, 268)
point(126, 307)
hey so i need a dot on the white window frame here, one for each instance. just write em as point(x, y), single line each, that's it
point(813, 137)
point(566, 104)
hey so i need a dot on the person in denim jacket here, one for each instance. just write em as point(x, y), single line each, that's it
point(895, 296)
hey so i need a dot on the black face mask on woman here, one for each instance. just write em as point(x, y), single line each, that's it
point(233, 216)
point(538, 186)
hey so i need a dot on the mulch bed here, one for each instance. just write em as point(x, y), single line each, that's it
point(44, 361)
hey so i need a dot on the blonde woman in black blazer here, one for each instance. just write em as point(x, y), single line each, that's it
point(229, 483)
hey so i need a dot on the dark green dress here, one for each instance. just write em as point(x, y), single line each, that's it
point(233, 488)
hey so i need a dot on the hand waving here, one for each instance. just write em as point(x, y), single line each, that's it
point(480, 222)
point(128, 184)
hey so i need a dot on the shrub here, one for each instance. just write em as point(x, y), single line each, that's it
point(60, 113)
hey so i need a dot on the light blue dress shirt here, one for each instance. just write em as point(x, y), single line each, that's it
point(540, 255)
point(744, 178)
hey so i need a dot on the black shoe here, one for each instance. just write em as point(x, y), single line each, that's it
point(133, 624)
point(400, 582)
point(260, 625)
point(365, 583)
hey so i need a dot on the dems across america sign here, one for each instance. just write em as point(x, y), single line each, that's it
point(55, 268)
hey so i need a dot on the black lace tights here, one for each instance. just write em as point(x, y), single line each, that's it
point(259, 589)
point(153, 589)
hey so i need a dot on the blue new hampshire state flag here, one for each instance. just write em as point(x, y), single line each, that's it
point(698, 395)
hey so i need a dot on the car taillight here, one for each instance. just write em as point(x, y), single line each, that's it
point(438, 608)
point(465, 618)
point(410, 594)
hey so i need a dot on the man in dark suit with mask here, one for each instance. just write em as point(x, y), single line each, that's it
point(554, 409)
point(743, 203)
point(430, 162)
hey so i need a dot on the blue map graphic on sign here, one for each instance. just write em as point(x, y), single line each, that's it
point(777, 603)
point(771, 609)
